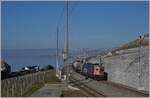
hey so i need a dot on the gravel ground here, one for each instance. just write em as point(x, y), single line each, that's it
point(106, 88)
point(124, 67)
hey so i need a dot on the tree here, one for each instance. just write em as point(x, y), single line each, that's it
point(48, 67)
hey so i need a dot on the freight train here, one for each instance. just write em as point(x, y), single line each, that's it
point(94, 71)
point(77, 66)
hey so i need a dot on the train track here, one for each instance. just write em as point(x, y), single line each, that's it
point(113, 89)
point(87, 89)
point(106, 88)
point(126, 88)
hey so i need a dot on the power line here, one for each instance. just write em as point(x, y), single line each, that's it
point(57, 42)
point(73, 8)
point(68, 13)
point(60, 17)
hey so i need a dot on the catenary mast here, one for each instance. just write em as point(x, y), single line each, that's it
point(66, 47)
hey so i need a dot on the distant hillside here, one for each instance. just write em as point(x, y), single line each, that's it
point(135, 43)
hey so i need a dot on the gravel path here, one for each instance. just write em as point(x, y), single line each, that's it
point(49, 90)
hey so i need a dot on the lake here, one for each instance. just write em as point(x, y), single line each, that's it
point(19, 58)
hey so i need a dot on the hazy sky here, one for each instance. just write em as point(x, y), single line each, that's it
point(27, 25)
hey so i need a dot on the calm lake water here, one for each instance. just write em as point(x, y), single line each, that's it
point(24, 57)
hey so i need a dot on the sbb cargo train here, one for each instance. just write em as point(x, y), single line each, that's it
point(94, 71)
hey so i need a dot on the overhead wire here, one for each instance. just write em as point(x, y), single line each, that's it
point(60, 17)
point(72, 8)
point(57, 38)
point(59, 25)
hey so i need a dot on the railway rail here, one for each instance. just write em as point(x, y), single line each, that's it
point(144, 94)
point(92, 92)
point(105, 88)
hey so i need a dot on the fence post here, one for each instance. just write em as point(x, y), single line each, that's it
point(4, 86)
point(12, 90)
point(12, 86)
point(21, 86)
point(7, 88)
point(17, 86)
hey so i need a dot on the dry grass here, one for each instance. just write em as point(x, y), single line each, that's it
point(134, 44)
point(50, 78)
point(33, 89)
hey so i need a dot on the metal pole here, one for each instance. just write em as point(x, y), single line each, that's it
point(57, 51)
point(139, 62)
point(140, 67)
point(100, 59)
point(66, 45)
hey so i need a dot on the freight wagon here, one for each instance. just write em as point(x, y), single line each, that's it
point(94, 71)
point(77, 66)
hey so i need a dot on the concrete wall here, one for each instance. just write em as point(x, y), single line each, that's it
point(124, 68)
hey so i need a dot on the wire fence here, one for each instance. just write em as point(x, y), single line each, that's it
point(17, 86)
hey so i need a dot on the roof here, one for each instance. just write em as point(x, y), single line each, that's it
point(30, 67)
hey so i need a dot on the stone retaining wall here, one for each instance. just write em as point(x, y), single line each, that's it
point(124, 68)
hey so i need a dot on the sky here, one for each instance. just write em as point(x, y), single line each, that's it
point(99, 24)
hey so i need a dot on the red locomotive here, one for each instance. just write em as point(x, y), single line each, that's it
point(94, 71)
